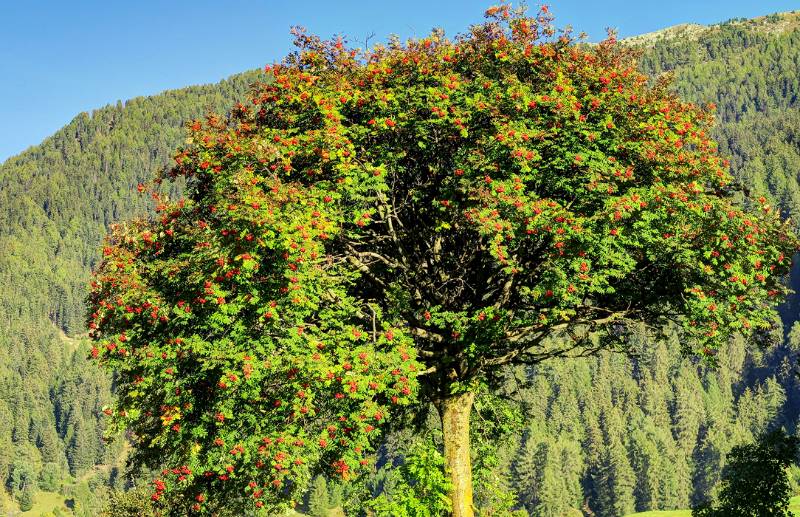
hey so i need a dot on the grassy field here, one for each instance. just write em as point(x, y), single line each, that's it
point(44, 502)
point(794, 506)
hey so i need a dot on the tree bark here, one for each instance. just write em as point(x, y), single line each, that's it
point(455, 412)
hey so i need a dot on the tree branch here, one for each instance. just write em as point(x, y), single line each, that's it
point(427, 334)
point(364, 269)
point(430, 370)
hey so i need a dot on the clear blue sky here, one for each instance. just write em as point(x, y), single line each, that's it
point(61, 57)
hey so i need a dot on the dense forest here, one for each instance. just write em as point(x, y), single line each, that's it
point(600, 436)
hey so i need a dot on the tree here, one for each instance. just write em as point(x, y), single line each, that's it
point(379, 230)
point(128, 503)
point(80, 450)
point(26, 498)
point(50, 477)
point(420, 487)
point(619, 479)
point(318, 503)
point(23, 479)
point(755, 481)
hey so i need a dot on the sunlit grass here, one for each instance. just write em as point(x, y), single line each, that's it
point(44, 502)
point(794, 506)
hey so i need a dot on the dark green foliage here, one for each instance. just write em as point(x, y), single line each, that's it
point(647, 433)
point(26, 499)
point(754, 483)
point(318, 498)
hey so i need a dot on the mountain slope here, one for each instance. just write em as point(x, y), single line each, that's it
point(749, 69)
point(63, 194)
point(56, 202)
point(771, 24)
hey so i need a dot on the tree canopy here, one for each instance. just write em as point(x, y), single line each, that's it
point(754, 480)
point(383, 228)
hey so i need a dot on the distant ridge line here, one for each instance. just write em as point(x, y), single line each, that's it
point(771, 23)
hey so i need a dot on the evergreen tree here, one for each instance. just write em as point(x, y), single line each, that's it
point(26, 498)
point(80, 450)
point(619, 480)
point(318, 501)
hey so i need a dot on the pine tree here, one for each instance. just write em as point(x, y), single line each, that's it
point(619, 480)
point(527, 466)
point(81, 449)
point(561, 468)
point(318, 500)
point(26, 498)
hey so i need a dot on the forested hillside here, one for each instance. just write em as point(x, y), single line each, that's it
point(608, 435)
point(56, 202)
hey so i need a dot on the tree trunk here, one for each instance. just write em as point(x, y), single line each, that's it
point(455, 411)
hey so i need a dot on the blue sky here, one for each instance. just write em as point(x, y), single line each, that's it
point(61, 57)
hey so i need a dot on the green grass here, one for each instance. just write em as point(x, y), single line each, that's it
point(44, 502)
point(794, 506)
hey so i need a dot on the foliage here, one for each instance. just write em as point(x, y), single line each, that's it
point(26, 498)
point(506, 197)
point(754, 480)
point(50, 477)
point(131, 503)
point(318, 499)
point(497, 422)
point(419, 487)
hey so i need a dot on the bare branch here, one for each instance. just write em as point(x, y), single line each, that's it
point(378, 256)
point(505, 294)
point(539, 332)
point(426, 334)
point(366, 271)
point(374, 329)
point(427, 371)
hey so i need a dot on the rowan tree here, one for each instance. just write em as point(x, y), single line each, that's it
point(381, 229)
